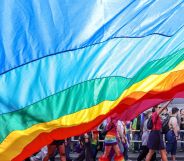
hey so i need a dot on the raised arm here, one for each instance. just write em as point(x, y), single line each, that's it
point(165, 106)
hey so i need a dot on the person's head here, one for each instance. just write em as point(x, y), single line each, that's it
point(175, 111)
point(182, 111)
point(170, 112)
point(165, 111)
point(155, 108)
point(148, 114)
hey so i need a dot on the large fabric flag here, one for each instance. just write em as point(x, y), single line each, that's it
point(67, 65)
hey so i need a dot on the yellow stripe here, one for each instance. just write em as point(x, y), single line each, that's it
point(17, 140)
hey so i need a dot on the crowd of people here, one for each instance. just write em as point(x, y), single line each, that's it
point(158, 129)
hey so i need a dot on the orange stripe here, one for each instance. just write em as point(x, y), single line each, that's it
point(172, 80)
point(61, 133)
point(174, 85)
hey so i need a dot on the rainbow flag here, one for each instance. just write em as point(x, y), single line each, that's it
point(67, 65)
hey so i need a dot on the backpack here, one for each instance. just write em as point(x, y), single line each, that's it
point(171, 138)
point(150, 124)
point(165, 125)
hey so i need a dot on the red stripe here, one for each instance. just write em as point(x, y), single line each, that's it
point(130, 111)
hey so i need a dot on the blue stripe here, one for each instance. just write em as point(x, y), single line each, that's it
point(117, 57)
point(30, 30)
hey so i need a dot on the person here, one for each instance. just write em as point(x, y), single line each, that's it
point(94, 142)
point(86, 148)
point(68, 148)
point(145, 135)
point(155, 140)
point(165, 114)
point(173, 134)
point(101, 129)
point(60, 146)
point(79, 148)
point(122, 139)
point(165, 121)
point(128, 131)
point(136, 128)
point(182, 129)
point(111, 141)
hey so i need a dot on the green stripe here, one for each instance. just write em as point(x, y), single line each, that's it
point(160, 66)
point(81, 96)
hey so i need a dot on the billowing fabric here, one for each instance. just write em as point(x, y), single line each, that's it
point(67, 65)
point(33, 30)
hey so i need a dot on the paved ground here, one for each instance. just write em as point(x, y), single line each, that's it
point(133, 156)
